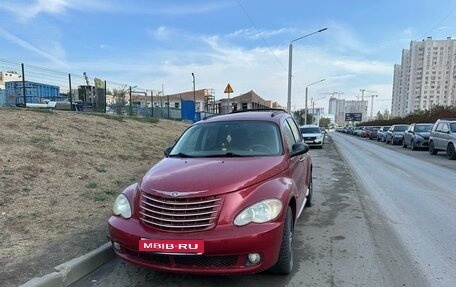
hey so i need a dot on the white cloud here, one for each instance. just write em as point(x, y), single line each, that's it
point(252, 33)
point(161, 33)
point(55, 49)
point(25, 11)
point(347, 39)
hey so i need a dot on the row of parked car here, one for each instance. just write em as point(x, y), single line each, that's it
point(435, 137)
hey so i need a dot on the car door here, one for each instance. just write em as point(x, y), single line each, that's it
point(408, 135)
point(444, 137)
point(299, 165)
point(437, 136)
point(389, 134)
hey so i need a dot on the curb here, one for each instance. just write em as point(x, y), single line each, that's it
point(73, 270)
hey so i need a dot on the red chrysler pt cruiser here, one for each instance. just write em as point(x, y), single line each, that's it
point(224, 200)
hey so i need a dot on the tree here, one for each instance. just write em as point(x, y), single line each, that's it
point(120, 103)
point(386, 114)
point(379, 116)
point(299, 116)
point(324, 122)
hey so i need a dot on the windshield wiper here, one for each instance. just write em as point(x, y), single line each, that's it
point(228, 154)
point(181, 154)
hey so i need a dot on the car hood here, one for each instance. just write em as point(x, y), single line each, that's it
point(211, 177)
point(398, 133)
point(423, 134)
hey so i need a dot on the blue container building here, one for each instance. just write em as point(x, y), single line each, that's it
point(34, 92)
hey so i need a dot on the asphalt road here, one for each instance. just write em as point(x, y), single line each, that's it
point(416, 193)
point(373, 223)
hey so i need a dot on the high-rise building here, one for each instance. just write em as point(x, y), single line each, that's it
point(337, 108)
point(426, 76)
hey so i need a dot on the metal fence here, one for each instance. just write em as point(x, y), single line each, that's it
point(78, 92)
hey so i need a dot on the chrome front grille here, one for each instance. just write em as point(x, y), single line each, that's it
point(179, 214)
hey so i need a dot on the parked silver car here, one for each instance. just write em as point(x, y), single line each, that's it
point(381, 133)
point(395, 134)
point(443, 137)
point(417, 136)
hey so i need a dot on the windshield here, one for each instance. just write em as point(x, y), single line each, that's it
point(310, 130)
point(423, 128)
point(453, 127)
point(400, 128)
point(229, 139)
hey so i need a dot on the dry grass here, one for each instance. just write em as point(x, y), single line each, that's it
point(59, 174)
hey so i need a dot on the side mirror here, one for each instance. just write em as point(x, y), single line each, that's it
point(298, 149)
point(167, 150)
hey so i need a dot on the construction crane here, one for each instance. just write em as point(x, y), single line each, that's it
point(334, 93)
point(86, 79)
point(88, 90)
point(363, 91)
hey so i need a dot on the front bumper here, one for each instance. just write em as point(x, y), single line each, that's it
point(422, 143)
point(397, 139)
point(314, 142)
point(225, 248)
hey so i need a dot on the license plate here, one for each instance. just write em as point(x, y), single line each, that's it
point(172, 246)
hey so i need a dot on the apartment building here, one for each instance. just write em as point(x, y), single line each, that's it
point(337, 108)
point(426, 76)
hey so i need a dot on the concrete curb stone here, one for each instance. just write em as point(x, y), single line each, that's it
point(69, 272)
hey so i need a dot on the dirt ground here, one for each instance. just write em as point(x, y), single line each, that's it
point(59, 175)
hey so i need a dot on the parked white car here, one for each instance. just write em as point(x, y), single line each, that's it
point(312, 135)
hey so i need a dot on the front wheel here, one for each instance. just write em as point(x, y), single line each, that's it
point(309, 196)
point(451, 153)
point(413, 145)
point(285, 263)
point(432, 149)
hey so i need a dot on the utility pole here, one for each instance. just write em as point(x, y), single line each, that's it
point(372, 106)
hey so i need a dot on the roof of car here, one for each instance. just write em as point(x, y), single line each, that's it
point(257, 114)
point(449, 120)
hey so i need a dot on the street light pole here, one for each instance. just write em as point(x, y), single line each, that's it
point(194, 96)
point(290, 57)
point(307, 90)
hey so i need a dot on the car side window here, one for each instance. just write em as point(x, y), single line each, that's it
point(439, 127)
point(295, 130)
point(445, 128)
point(288, 135)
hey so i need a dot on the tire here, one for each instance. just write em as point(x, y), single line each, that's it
point(432, 149)
point(413, 145)
point(284, 264)
point(451, 153)
point(309, 197)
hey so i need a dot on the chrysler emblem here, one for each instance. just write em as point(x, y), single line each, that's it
point(177, 193)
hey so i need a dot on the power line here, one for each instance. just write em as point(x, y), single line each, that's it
point(440, 22)
point(261, 36)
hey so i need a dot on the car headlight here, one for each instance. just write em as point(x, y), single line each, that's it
point(122, 207)
point(259, 212)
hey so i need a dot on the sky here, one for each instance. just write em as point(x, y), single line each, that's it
point(158, 44)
